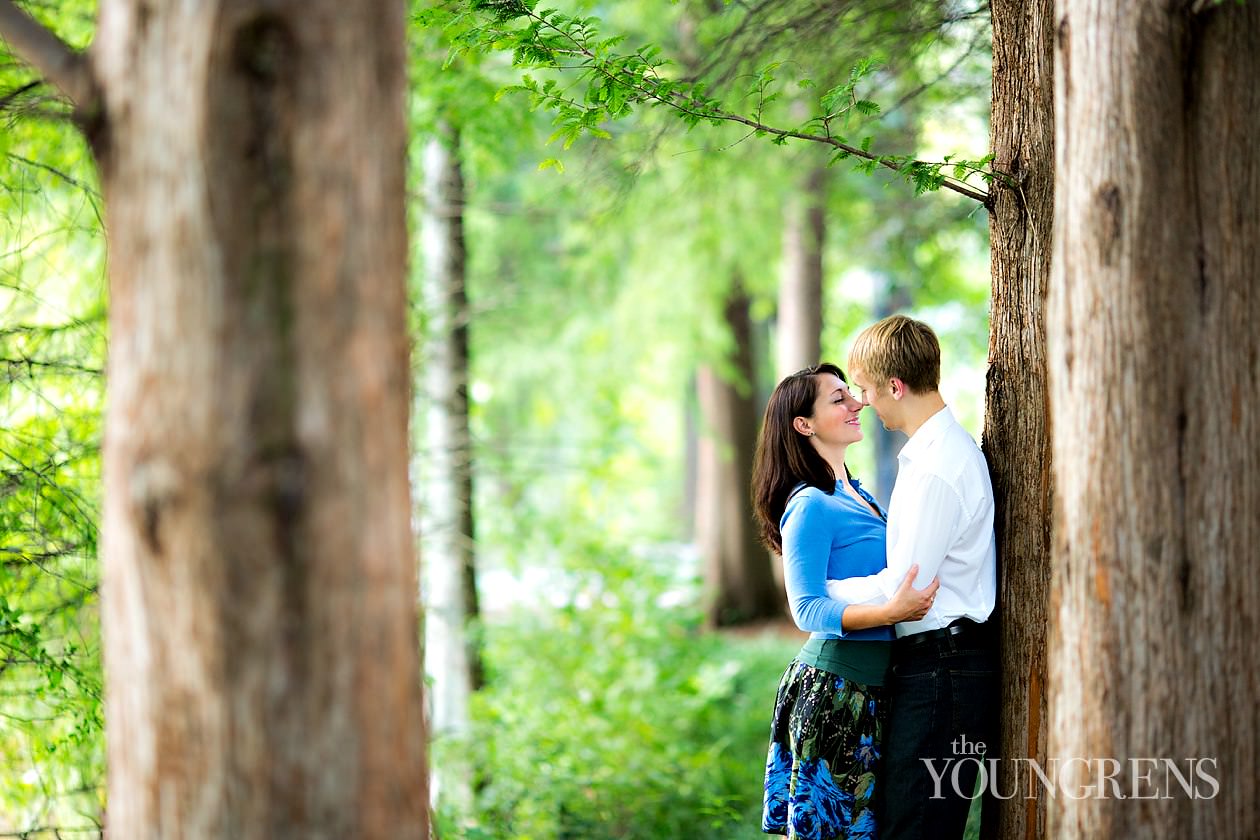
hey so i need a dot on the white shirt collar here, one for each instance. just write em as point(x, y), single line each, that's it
point(929, 433)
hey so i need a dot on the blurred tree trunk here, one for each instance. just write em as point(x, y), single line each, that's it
point(1152, 329)
point(738, 574)
point(799, 321)
point(891, 297)
point(452, 657)
point(691, 455)
point(893, 242)
point(736, 566)
point(259, 611)
point(1016, 426)
point(799, 331)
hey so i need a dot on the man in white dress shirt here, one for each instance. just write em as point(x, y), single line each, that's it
point(943, 686)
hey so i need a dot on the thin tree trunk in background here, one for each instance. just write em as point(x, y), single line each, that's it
point(452, 659)
point(258, 610)
point(691, 457)
point(890, 298)
point(897, 232)
point(1153, 344)
point(800, 323)
point(1017, 422)
point(738, 574)
point(736, 567)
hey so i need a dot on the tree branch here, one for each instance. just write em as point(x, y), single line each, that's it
point(74, 182)
point(64, 67)
point(683, 103)
point(13, 95)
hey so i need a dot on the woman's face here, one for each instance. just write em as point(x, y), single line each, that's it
point(835, 421)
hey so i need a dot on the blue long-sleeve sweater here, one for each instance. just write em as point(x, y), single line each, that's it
point(829, 536)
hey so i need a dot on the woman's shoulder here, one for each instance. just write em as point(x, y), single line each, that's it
point(806, 494)
point(806, 497)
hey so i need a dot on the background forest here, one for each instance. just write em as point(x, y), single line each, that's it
point(627, 294)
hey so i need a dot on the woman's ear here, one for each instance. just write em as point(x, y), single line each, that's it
point(801, 425)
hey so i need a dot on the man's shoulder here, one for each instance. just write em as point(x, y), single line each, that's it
point(951, 444)
point(959, 443)
point(956, 459)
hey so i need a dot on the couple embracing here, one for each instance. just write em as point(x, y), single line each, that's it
point(899, 677)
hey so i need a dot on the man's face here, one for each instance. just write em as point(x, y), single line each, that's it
point(879, 398)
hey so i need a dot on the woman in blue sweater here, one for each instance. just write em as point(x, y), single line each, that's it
point(825, 739)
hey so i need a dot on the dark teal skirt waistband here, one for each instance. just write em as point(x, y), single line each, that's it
point(864, 661)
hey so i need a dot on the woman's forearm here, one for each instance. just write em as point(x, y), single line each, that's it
point(862, 616)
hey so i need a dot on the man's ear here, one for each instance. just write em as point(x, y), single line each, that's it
point(897, 388)
point(802, 425)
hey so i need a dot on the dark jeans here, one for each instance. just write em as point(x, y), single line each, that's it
point(943, 696)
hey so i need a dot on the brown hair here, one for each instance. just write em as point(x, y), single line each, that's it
point(784, 457)
point(898, 348)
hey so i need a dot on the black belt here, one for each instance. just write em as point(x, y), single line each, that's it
point(955, 628)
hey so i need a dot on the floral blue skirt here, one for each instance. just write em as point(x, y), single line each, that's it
point(825, 744)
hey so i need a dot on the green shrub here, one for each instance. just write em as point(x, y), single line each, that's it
point(622, 719)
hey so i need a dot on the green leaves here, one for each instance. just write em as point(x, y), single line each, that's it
point(608, 85)
point(842, 99)
point(619, 720)
point(502, 11)
point(52, 349)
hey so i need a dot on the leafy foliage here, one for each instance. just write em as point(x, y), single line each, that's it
point(609, 83)
point(52, 349)
point(621, 718)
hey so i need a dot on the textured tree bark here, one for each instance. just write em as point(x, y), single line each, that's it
point(261, 651)
point(737, 568)
point(1017, 422)
point(799, 329)
point(1153, 348)
point(445, 468)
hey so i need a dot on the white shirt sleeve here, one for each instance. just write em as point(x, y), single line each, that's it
point(930, 515)
point(857, 590)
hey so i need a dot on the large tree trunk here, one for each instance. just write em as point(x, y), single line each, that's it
point(799, 328)
point(737, 568)
point(451, 655)
point(1016, 427)
point(262, 663)
point(1154, 346)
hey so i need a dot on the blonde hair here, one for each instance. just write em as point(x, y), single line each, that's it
point(898, 348)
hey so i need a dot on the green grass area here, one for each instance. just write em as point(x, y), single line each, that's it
point(629, 723)
point(619, 724)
